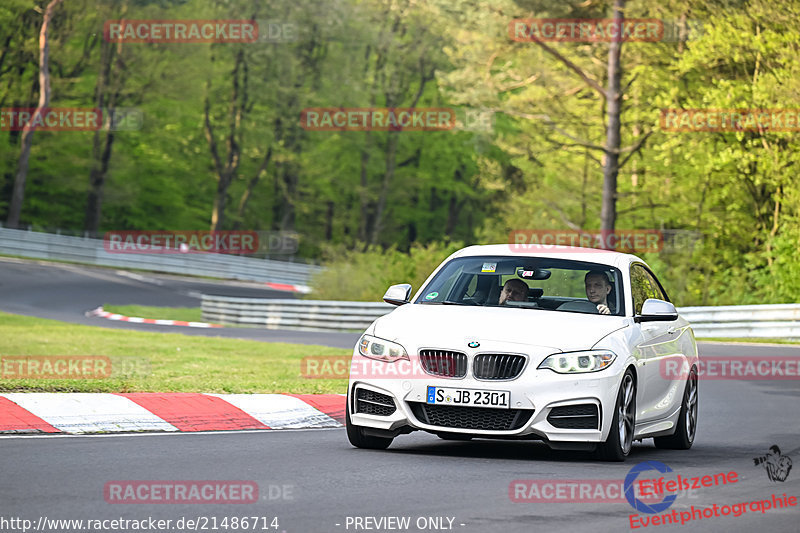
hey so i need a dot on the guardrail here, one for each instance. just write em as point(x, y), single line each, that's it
point(36, 245)
point(778, 321)
point(309, 315)
point(737, 321)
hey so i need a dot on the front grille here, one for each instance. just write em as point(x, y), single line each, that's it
point(374, 403)
point(456, 416)
point(497, 366)
point(444, 363)
point(584, 416)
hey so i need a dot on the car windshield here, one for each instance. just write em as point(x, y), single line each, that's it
point(527, 283)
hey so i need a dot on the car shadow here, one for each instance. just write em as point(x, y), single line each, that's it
point(512, 450)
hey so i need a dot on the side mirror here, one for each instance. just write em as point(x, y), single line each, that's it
point(398, 294)
point(654, 310)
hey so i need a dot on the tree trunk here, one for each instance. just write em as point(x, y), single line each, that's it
point(391, 156)
point(391, 162)
point(412, 224)
point(18, 193)
point(97, 179)
point(454, 206)
point(329, 221)
point(225, 172)
point(288, 220)
point(249, 190)
point(220, 201)
point(363, 192)
point(101, 150)
point(608, 213)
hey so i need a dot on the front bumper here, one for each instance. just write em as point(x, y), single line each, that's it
point(538, 404)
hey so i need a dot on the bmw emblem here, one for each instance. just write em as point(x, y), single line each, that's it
point(474, 344)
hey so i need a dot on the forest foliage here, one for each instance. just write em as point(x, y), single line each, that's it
point(385, 207)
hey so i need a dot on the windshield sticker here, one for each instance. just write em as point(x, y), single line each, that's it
point(431, 295)
point(489, 267)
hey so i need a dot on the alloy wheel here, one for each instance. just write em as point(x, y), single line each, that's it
point(625, 416)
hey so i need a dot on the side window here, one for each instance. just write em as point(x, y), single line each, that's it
point(642, 288)
point(655, 286)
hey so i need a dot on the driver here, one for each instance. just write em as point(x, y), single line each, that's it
point(597, 289)
point(514, 290)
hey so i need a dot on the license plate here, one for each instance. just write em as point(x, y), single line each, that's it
point(469, 397)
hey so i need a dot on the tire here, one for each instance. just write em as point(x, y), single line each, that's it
point(356, 436)
point(620, 438)
point(683, 438)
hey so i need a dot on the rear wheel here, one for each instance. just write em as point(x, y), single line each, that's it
point(620, 438)
point(683, 438)
point(356, 436)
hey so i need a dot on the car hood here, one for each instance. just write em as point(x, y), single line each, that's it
point(451, 326)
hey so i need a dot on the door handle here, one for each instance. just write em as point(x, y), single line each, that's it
point(673, 331)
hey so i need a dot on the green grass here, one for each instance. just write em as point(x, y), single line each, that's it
point(162, 362)
point(749, 339)
point(188, 314)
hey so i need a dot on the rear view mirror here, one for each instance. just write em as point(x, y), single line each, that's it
point(398, 294)
point(536, 273)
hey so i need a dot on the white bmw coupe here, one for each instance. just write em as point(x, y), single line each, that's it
point(577, 347)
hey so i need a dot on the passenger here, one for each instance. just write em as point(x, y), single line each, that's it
point(514, 290)
point(597, 289)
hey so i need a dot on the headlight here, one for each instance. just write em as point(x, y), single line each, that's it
point(579, 362)
point(381, 349)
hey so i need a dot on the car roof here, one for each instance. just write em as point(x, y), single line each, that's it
point(574, 253)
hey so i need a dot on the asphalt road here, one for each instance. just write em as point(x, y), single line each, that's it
point(312, 481)
point(66, 292)
point(326, 480)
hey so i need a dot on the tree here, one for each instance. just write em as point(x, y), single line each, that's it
point(18, 193)
point(225, 170)
point(108, 88)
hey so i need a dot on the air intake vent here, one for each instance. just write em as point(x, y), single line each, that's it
point(374, 403)
point(583, 416)
point(456, 416)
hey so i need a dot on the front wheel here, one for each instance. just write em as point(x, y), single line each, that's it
point(683, 438)
point(356, 436)
point(620, 438)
